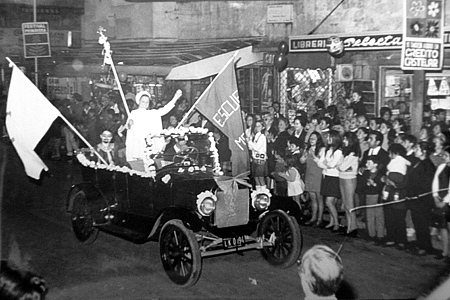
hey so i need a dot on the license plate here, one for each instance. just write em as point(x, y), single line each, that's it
point(234, 242)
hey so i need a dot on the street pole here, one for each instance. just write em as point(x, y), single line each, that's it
point(35, 59)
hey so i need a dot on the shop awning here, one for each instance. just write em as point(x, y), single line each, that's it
point(212, 65)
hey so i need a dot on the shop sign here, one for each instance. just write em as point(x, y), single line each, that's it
point(36, 41)
point(388, 41)
point(283, 13)
point(351, 42)
point(60, 88)
point(268, 58)
point(423, 47)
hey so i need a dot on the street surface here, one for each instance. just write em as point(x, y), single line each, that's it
point(34, 216)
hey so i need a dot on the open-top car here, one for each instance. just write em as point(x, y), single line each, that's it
point(186, 203)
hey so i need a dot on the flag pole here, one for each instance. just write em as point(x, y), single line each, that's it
point(103, 40)
point(12, 64)
point(186, 115)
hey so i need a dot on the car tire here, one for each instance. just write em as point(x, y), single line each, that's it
point(82, 219)
point(180, 253)
point(284, 231)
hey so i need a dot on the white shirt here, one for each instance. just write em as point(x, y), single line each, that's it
point(374, 151)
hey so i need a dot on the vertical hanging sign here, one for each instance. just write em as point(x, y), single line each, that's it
point(36, 41)
point(423, 38)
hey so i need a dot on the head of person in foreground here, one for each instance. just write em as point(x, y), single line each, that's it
point(321, 272)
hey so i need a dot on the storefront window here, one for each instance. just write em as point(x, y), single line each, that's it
point(438, 92)
point(300, 88)
point(396, 92)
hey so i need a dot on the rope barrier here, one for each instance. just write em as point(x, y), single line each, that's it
point(397, 201)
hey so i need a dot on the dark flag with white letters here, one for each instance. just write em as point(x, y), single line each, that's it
point(220, 104)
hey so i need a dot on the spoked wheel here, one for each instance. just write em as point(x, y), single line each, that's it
point(283, 231)
point(82, 219)
point(180, 253)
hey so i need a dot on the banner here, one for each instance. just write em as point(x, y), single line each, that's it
point(29, 115)
point(220, 104)
point(423, 32)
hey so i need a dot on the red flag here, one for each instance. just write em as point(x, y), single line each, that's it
point(29, 115)
point(220, 104)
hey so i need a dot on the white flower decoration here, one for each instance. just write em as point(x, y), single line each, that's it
point(433, 9)
point(166, 178)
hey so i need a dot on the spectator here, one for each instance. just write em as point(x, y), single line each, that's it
point(280, 188)
point(369, 184)
point(325, 125)
point(249, 126)
point(320, 108)
point(321, 273)
point(281, 139)
point(299, 130)
point(258, 146)
point(295, 185)
point(348, 168)
point(441, 119)
point(374, 124)
point(362, 121)
point(276, 106)
point(314, 152)
point(394, 190)
point(385, 128)
point(424, 134)
point(441, 197)
point(420, 178)
point(362, 134)
point(330, 182)
point(357, 103)
point(269, 126)
point(333, 114)
point(437, 157)
point(386, 113)
point(17, 284)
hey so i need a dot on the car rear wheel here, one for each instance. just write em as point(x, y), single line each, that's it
point(284, 233)
point(180, 253)
point(82, 219)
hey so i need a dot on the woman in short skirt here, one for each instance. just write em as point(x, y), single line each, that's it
point(330, 182)
point(258, 146)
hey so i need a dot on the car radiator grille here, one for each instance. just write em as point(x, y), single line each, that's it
point(232, 210)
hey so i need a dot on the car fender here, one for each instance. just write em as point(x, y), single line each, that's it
point(90, 190)
point(287, 205)
point(189, 218)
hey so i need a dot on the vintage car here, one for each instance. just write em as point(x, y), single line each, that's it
point(188, 205)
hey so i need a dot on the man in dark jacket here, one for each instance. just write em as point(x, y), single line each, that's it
point(372, 189)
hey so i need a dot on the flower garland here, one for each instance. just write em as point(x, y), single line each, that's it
point(151, 153)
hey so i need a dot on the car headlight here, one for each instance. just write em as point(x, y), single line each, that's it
point(206, 203)
point(262, 201)
point(207, 206)
point(261, 198)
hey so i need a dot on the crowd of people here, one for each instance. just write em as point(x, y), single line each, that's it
point(374, 177)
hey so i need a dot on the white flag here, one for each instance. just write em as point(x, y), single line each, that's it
point(29, 115)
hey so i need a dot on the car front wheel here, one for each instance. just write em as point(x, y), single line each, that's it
point(284, 233)
point(82, 219)
point(180, 253)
